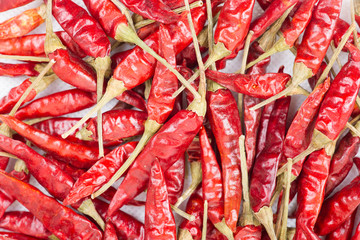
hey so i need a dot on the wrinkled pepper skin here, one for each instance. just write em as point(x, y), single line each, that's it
point(175, 178)
point(15, 236)
point(57, 104)
point(15, 70)
point(225, 123)
point(134, 99)
point(110, 231)
point(167, 145)
point(263, 178)
point(259, 86)
point(159, 219)
point(249, 232)
point(343, 232)
point(7, 5)
point(67, 224)
point(311, 192)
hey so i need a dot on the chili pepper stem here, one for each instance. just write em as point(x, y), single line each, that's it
point(279, 217)
point(46, 81)
point(196, 178)
point(124, 11)
point(36, 120)
point(114, 89)
point(101, 66)
point(151, 127)
point(84, 134)
point(87, 207)
point(20, 166)
point(184, 234)
point(336, 54)
point(146, 22)
point(301, 73)
point(25, 58)
point(31, 87)
point(125, 33)
point(278, 189)
point(53, 237)
point(220, 51)
point(285, 202)
point(182, 213)
point(205, 218)
point(265, 217)
point(333, 49)
point(224, 229)
point(147, 89)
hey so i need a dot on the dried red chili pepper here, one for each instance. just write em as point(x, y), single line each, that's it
point(75, 154)
point(117, 124)
point(4, 6)
point(338, 208)
point(22, 24)
point(67, 224)
point(132, 98)
point(343, 232)
point(221, 106)
point(175, 177)
point(316, 41)
point(74, 172)
point(339, 32)
point(264, 122)
point(110, 231)
point(250, 232)
point(311, 192)
point(57, 104)
point(15, 70)
point(99, 173)
point(15, 236)
point(145, 31)
point(259, 86)
point(264, 4)
point(9, 101)
point(313, 80)
point(262, 185)
point(159, 220)
point(25, 223)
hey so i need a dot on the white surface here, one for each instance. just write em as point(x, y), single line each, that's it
point(284, 58)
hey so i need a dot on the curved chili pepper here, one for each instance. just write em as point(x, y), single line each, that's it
point(194, 207)
point(343, 232)
point(263, 179)
point(264, 4)
point(3, 162)
point(340, 30)
point(75, 154)
point(57, 104)
point(357, 233)
point(133, 98)
point(175, 177)
point(248, 232)
point(25, 223)
point(144, 32)
point(67, 224)
point(259, 86)
point(167, 145)
point(342, 161)
point(74, 172)
point(159, 220)
point(155, 10)
point(311, 192)
point(9, 101)
point(338, 208)
point(99, 173)
point(263, 127)
point(313, 80)
point(15, 236)
point(110, 231)
point(221, 106)
point(7, 5)
point(14, 70)
point(33, 45)
point(22, 24)
point(118, 124)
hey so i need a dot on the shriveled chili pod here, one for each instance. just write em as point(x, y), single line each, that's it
point(175, 177)
point(110, 231)
point(263, 127)
point(159, 220)
point(139, 65)
point(22, 24)
point(316, 41)
point(340, 30)
point(25, 223)
point(134, 99)
point(15, 236)
point(67, 224)
point(74, 172)
point(57, 104)
point(263, 179)
point(117, 124)
point(4, 6)
point(259, 86)
point(15, 70)
point(77, 155)
point(311, 192)
point(99, 173)
point(9, 101)
point(343, 232)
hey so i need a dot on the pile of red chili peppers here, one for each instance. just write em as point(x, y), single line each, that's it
point(245, 154)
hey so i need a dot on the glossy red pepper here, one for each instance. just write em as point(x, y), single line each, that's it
point(340, 30)
point(25, 223)
point(311, 192)
point(343, 232)
point(74, 172)
point(33, 45)
point(110, 231)
point(57, 104)
point(263, 127)
point(133, 98)
point(75, 154)
point(249, 232)
point(167, 145)
point(263, 179)
point(15, 236)
point(175, 177)
point(145, 31)
point(159, 220)
point(22, 24)
point(15, 70)
point(67, 224)
point(99, 173)
point(226, 125)
point(4, 6)
point(259, 86)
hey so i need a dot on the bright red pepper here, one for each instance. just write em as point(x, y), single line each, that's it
point(159, 220)
point(249, 232)
point(264, 122)
point(57, 104)
point(110, 231)
point(340, 30)
point(15, 236)
point(67, 224)
point(343, 232)
point(7, 5)
point(133, 98)
point(22, 24)
point(74, 172)
point(14, 70)
point(175, 177)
